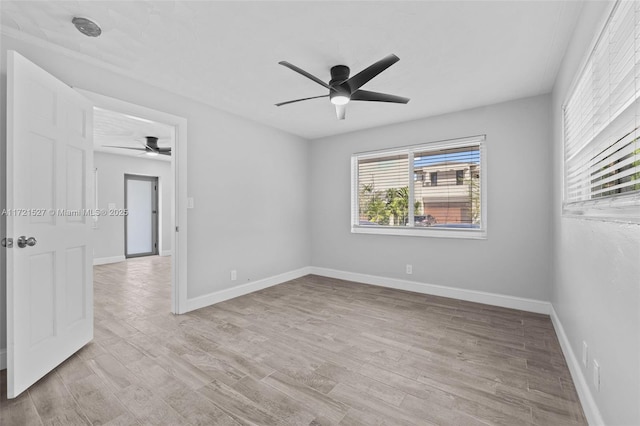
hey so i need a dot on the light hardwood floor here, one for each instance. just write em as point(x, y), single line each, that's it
point(312, 351)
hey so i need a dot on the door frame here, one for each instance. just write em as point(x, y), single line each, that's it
point(179, 193)
point(155, 219)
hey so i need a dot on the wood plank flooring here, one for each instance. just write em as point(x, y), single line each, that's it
point(312, 351)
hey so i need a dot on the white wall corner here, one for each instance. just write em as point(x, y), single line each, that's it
point(513, 302)
point(589, 405)
point(106, 260)
point(3, 359)
point(241, 290)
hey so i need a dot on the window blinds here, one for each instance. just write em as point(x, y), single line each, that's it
point(601, 117)
point(383, 190)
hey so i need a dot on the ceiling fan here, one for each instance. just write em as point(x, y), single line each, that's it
point(343, 89)
point(151, 148)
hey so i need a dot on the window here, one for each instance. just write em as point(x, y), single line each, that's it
point(452, 203)
point(434, 178)
point(601, 119)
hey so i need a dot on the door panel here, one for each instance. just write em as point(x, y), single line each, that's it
point(75, 291)
point(49, 283)
point(41, 297)
point(41, 150)
point(75, 190)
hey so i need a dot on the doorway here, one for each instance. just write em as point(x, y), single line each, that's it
point(135, 185)
point(177, 200)
point(141, 220)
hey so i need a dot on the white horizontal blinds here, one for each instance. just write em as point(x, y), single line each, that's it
point(383, 190)
point(609, 165)
point(616, 169)
point(602, 152)
point(447, 187)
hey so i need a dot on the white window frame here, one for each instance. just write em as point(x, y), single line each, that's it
point(410, 229)
point(622, 208)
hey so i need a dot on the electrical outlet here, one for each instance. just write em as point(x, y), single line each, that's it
point(596, 375)
point(409, 269)
point(585, 354)
point(234, 275)
point(190, 203)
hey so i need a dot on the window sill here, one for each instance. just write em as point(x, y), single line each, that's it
point(470, 234)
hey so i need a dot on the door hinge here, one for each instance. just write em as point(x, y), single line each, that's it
point(7, 242)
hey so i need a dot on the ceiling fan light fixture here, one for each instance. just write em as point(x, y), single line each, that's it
point(340, 99)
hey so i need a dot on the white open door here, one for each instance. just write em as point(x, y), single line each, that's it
point(49, 266)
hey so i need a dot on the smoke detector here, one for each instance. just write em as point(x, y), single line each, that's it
point(87, 26)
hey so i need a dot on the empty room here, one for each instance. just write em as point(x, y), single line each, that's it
point(320, 212)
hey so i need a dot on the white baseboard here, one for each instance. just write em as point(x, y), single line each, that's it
point(241, 290)
point(589, 405)
point(166, 252)
point(105, 260)
point(530, 305)
point(513, 302)
point(3, 359)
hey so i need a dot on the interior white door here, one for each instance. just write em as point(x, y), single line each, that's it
point(49, 172)
point(142, 211)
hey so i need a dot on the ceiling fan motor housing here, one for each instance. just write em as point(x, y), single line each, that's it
point(339, 73)
point(152, 142)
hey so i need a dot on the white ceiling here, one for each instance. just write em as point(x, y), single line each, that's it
point(453, 54)
point(115, 129)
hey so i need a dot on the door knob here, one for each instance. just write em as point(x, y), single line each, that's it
point(24, 241)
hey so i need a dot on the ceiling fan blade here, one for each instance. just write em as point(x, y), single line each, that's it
point(161, 152)
point(124, 147)
point(303, 99)
point(368, 73)
point(340, 111)
point(303, 72)
point(164, 149)
point(365, 95)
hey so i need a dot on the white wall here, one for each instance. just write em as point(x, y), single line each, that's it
point(514, 260)
point(109, 235)
point(596, 292)
point(249, 181)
